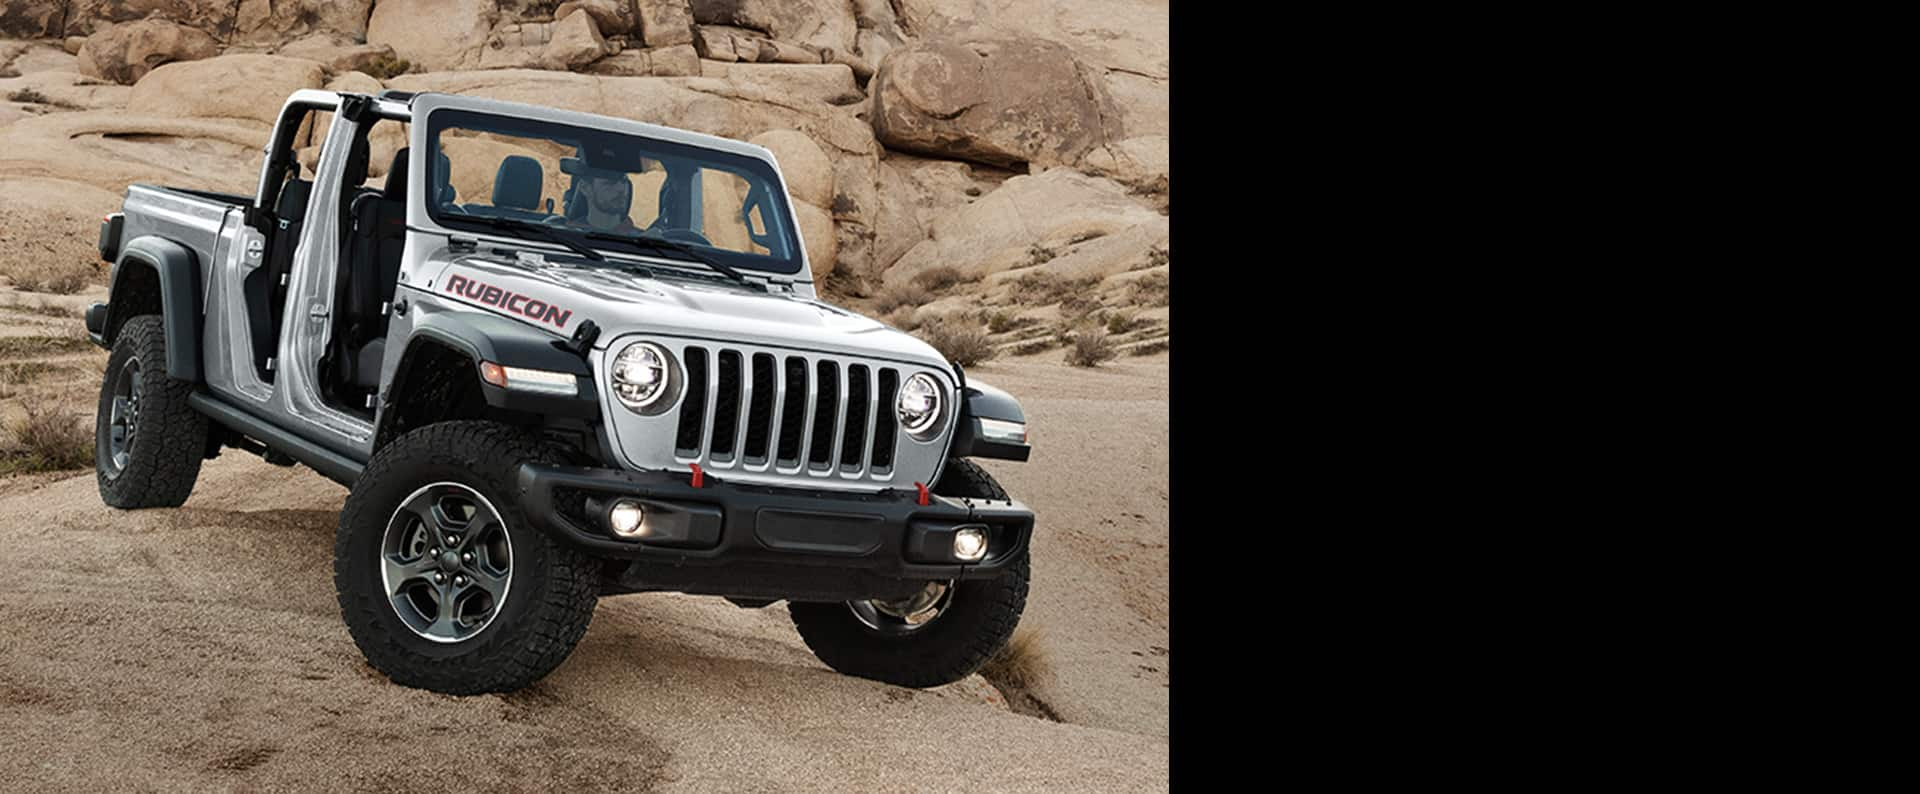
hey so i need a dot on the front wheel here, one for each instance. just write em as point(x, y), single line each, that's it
point(442, 582)
point(939, 635)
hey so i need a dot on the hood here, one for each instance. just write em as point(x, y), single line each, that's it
point(557, 295)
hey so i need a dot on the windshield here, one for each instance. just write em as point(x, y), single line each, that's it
point(726, 207)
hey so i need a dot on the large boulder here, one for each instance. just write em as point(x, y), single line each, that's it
point(664, 23)
point(436, 35)
point(1072, 224)
point(127, 52)
point(1001, 101)
point(215, 17)
point(250, 87)
point(808, 172)
point(828, 26)
point(678, 60)
point(576, 42)
point(339, 54)
point(30, 19)
point(276, 22)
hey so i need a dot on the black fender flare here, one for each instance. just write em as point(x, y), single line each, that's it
point(178, 274)
point(485, 337)
point(981, 401)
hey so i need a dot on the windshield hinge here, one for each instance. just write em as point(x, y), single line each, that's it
point(462, 245)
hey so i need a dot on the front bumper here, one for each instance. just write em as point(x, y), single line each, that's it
point(756, 541)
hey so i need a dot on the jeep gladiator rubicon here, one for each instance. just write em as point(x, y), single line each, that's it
point(534, 405)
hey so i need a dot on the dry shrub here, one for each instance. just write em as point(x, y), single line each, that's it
point(1041, 289)
point(48, 439)
point(1077, 309)
point(908, 294)
point(54, 278)
point(960, 342)
point(939, 278)
point(1038, 254)
point(15, 346)
point(1090, 348)
point(386, 66)
point(1003, 321)
point(1017, 669)
point(44, 309)
point(905, 318)
point(1149, 290)
point(1120, 321)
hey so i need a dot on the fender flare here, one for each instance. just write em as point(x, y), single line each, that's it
point(980, 401)
point(486, 337)
point(178, 275)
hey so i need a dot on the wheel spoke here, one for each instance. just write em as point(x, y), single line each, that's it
point(399, 571)
point(482, 527)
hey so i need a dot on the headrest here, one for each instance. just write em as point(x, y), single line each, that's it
point(518, 183)
point(397, 176)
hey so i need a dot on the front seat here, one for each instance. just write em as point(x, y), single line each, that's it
point(517, 186)
point(379, 240)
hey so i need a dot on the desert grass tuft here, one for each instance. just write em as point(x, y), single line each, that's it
point(1090, 348)
point(960, 342)
point(47, 439)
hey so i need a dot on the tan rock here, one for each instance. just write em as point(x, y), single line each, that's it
point(434, 34)
point(30, 19)
point(679, 60)
point(275, 22)
point(912, 194)
point(72, 44)
point(1091, 225)
point(338, 54)
point(817, 25)
point(576, 41)
point(214, 17)
point(664, 23)
point(715, 44)
point(817, 236)
point(71, 90)
point(1001, 101)
point(612, 17)
point(125, 53)
point(251, 87)
point(1142, 163)
point(808, 172)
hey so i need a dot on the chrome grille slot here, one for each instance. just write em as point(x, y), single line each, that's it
point(726, 407)
point(853, 449)
point(761, 391)
point(686, 439)
point(884, 423)
point(793, 412)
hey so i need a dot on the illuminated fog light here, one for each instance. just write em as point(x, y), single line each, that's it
point(628, 518)
point(970, 544)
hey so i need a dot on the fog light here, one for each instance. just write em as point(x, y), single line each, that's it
point(628, 518)
point(970, 544)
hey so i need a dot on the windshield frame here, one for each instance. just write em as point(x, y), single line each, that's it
point(777, 204)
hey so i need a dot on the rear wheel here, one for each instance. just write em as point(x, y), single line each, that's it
point(442, 582)
point(147, 442)
point(939, 635)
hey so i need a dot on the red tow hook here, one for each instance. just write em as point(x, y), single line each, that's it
point(923, 493)
point(697, 476)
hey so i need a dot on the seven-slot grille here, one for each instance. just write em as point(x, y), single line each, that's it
point(788, 413)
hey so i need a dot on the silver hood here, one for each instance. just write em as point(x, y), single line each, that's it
point(558, 296)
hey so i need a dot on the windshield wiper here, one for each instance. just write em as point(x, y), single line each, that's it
point(544, 232)
point(664, 244)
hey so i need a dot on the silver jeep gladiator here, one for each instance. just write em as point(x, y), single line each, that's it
point(561, 356)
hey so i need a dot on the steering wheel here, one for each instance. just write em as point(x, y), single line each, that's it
point(685, 236)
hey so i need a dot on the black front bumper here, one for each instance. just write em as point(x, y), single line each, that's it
point(752, 541)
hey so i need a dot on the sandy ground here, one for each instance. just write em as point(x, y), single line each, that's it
point(201, 648)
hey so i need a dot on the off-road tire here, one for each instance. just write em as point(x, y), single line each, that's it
point(977, 624)
point(170, 438)
point(553, 591)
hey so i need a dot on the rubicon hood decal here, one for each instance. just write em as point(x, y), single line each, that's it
point(512, 302)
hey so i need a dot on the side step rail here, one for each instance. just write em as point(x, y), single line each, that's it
point(335, 466)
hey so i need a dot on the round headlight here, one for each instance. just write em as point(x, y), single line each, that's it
point(643, 377)
point(919, 406)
